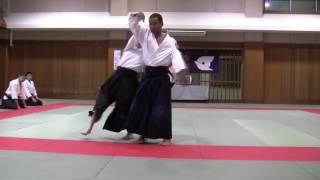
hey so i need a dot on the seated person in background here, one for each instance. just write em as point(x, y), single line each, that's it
point(31, 92)
point(14, 97)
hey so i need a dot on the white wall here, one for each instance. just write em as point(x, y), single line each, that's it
point(142, 5)
point(60, 35)
point(132, 5)
point(59, 5)
point(187, 5)
point(254, 8)
point(251, 8)
point(118, 7)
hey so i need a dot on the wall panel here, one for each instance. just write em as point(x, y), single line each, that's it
point(253, 81)
point(62, 69)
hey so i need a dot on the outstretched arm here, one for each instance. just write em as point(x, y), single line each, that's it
point(137, 30)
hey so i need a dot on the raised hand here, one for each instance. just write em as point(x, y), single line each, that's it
point(140, 16)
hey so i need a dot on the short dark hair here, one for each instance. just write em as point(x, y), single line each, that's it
point(20, 74)
point(158, 16)
point(28, 73)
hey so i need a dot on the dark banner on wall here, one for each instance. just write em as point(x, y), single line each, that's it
point(201, 61)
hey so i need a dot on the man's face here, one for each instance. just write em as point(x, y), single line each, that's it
point(21, 78)
point(29, 77)
point(155, 25)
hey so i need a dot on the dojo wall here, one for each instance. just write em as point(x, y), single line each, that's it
point(187, 5)
point(277, 67)
point(122, 7)
point(3, 51)
point(130, 5)
point(292, 73)
point(282, 73)
point(272, 72)
point(59, 6)
point(61, 69)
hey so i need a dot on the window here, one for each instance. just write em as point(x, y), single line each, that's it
point(225, 85)
point(292, 6)
point(277, 5)
point(303, 5)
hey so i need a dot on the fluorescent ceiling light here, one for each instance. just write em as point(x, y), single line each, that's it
point(188, 33)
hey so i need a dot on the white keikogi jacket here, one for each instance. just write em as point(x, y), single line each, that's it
point(30, 89)
point(132, 56)
point(15, 90)
point(165, 54)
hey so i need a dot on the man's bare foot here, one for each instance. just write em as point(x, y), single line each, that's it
point(87, 132)
point(166, 142)
point(128, 136)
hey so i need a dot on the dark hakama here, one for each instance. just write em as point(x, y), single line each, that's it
point(30, 102)
point(150, 112)
point(10, 103)
point(120, 88)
